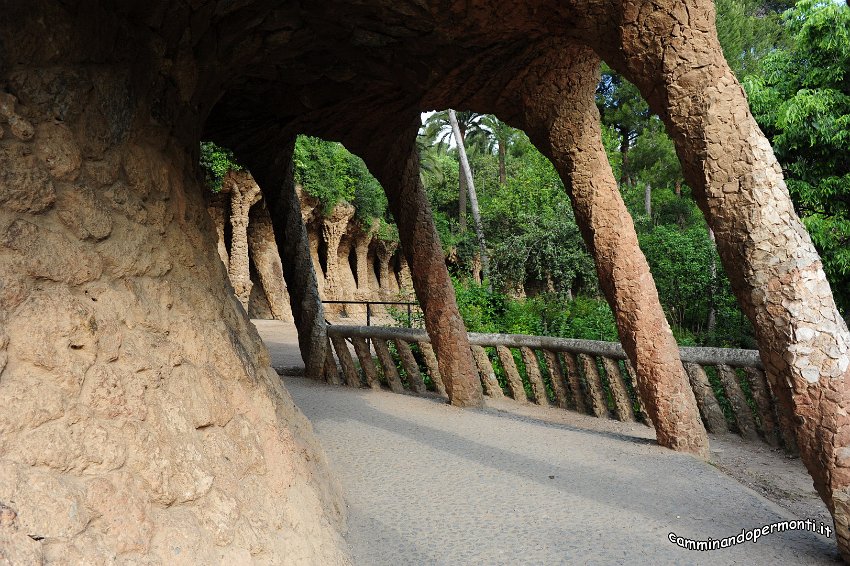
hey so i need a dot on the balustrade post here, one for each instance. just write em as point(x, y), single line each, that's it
point(488, 376)
point(411, 368)
point(622, 401)
point(743, 414)
point(532, 369)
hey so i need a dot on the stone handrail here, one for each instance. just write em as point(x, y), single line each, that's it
point(589, 376)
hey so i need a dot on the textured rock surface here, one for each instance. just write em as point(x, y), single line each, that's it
point(141, 422)
point(395, 163)
point(101, 109)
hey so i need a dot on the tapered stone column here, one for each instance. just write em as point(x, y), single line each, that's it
point(266, 258)
point(333, 229)
point(394, 160)
point(215, 208)
point(278, 179)
point(563, 121)
point(775, 272)
point(140, 416)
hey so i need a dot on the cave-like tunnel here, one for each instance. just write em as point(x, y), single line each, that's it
point(135, 390)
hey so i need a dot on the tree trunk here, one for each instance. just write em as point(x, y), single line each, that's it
point(266, 259)
point(568, 132)
point(394, 160)
point(625, 178)
point(244, 193)
point(473, 198)
point(647, 200)
point(462, 190)
point(503, 170)
point(775, 272)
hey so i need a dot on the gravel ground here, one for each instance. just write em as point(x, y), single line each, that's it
point(427, 483)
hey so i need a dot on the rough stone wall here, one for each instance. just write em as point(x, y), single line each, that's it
point(141, 422)
point(255, 73)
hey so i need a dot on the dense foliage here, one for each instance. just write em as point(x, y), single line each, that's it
point(332, 174)
point(802, 102)
point(215, 163)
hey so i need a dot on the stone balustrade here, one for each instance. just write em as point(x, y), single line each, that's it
point(587, 376)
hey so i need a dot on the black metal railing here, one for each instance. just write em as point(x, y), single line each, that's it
point(410, 306)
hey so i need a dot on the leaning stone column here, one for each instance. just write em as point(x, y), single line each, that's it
point(244, 193)
point(775, 272)
point(291, 238)
point(563, 121)
point(267, 262)
point(394, 160)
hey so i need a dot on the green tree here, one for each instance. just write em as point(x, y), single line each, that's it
point(802, 102)
point(748, 30)
point(438, 129)
point(215, 162)
point(497, 136)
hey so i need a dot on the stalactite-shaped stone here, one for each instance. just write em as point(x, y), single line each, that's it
point(218, 215)
point(244, 193)
point(367, 364)
point(556, 375)
point(743, 414)
point(622, 401)
point(709, 408)
point(595, 393)
point(488, 376)
point(532, 369)
point(386, 359)
point(411, 368)
point(511, 372)
point(344, 356)
point(406, 281)
point(334, 227)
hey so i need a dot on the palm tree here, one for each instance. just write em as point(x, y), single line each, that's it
point(438, 129)
point(497, 136)
point(473, 199)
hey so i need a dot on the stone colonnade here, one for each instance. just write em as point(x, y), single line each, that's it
point(141, 409)
point(351, 263)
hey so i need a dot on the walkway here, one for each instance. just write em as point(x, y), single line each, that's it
point(427, 483)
